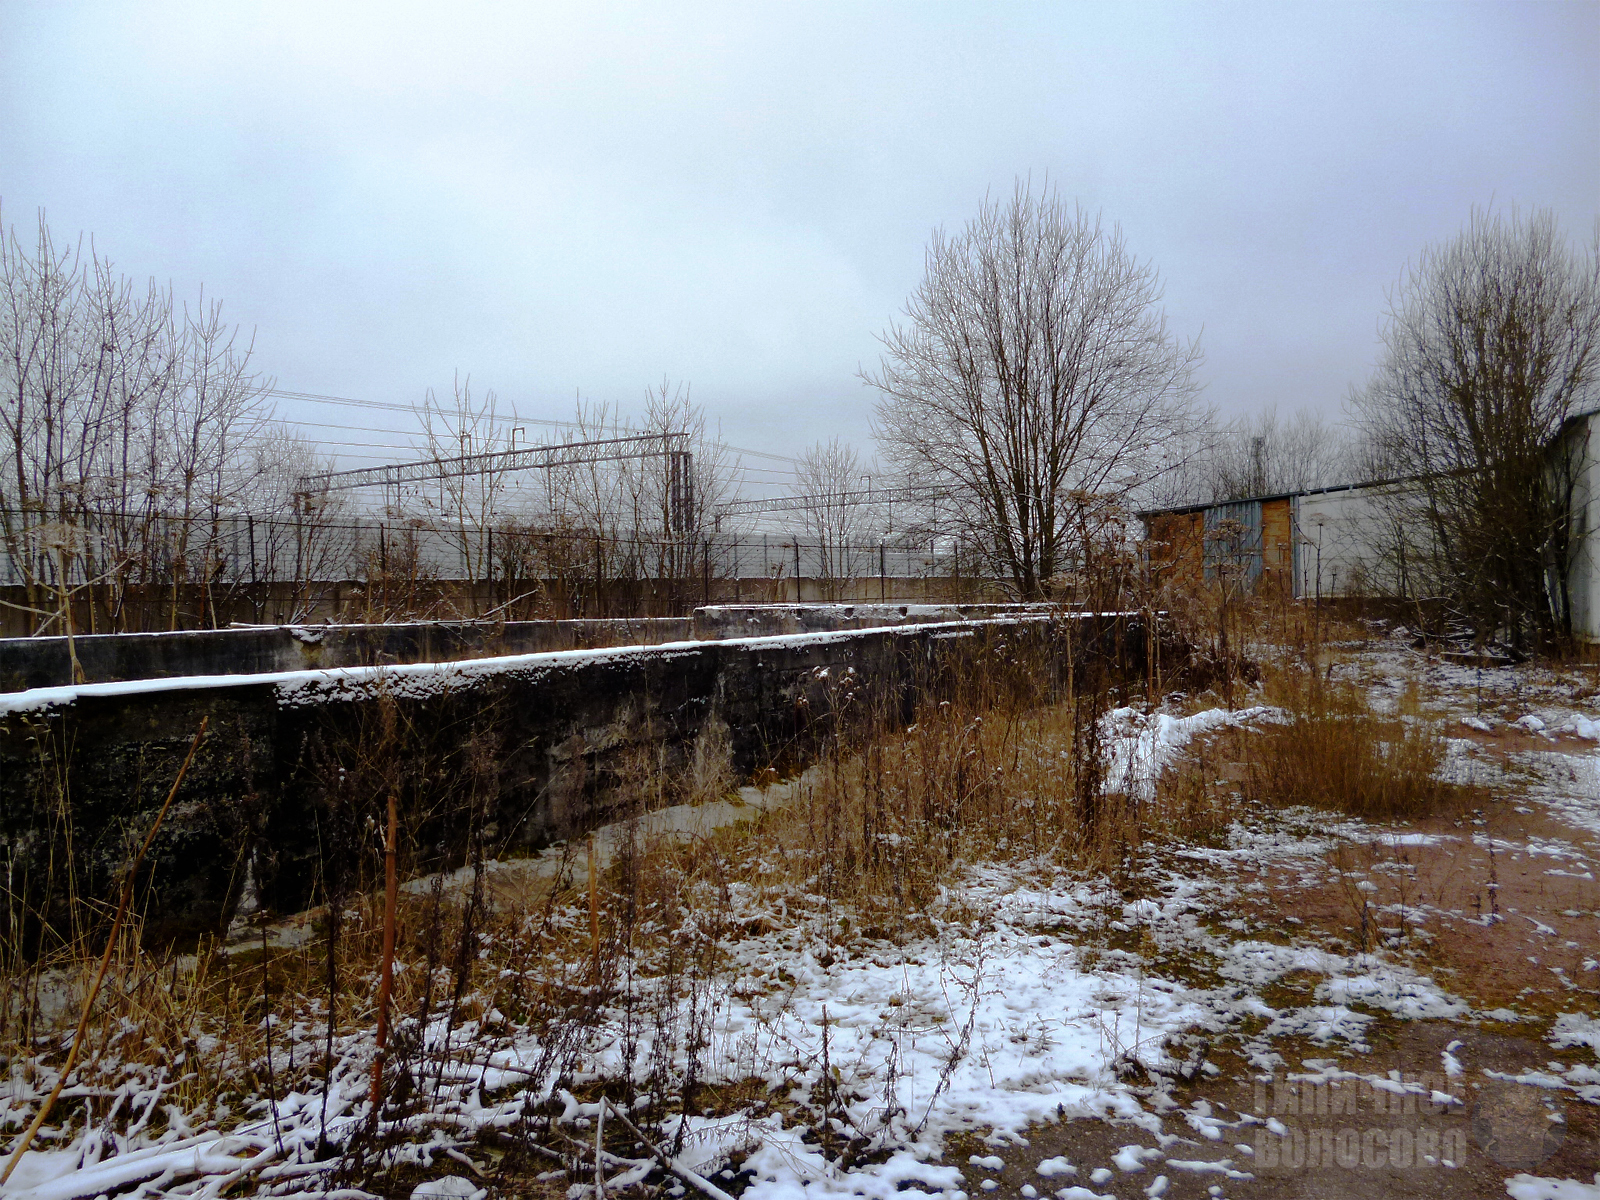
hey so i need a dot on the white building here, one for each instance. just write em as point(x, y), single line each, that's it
point(1580, 441)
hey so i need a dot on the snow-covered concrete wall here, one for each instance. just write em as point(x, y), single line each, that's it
point(719, 621)
point(111, 657)
point(297, 763)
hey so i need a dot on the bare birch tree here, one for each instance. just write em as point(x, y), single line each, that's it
point(1492, 340)
point(1034, 365)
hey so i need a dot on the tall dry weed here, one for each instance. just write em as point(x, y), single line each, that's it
point(1333, 751)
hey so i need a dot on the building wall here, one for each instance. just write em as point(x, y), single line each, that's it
point(1343, 544)
point(1176, 544)
point(1330, 544)
point(1233, 540)
point(1277, 544)
point(1583, 581)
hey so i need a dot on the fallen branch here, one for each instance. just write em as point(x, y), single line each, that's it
point(666, 1160)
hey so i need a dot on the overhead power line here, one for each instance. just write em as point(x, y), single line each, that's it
point(512, 418)
point(771, 504)
point(645, 445)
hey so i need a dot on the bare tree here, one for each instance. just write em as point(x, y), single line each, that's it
point(217, 412)
point(52, 421)
point(651, 520)
point(126, 429)
point(674, 507)
point(1490, 345)
point(468, 505)
point(1035, 365)
point(287, 535)
point(826, 473)
point(1262, 455)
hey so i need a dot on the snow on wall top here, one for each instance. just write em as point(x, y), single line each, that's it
point(413, 680)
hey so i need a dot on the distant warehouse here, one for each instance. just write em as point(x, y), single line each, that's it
point(1327, 542)
point(1372, 539)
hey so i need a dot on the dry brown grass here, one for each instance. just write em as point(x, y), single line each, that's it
point(881, 828)
point(1332, 751)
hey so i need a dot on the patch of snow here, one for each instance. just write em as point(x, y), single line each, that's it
point(1539, 1187)
point(1576, 1029)
point(1450, 1063)
point(1210, 1166)
point(1417, 839)
point(1568, 784)
point(1132, 1157)
point(1322, 1024)
point(1583, 727)
point(1142, 744)
point(451, 1187)
point(1395, 989)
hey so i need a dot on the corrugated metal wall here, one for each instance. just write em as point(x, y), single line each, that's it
point(1233, 538)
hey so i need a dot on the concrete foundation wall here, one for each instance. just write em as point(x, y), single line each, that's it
point(296, 765)
point(109, 657)
point(154, 608)
point(106, 658)
point(771, 620)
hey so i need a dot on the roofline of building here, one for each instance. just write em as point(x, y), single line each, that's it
point(1182, 509)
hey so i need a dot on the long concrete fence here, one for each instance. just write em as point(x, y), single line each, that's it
point(485, 755)
point(40, 662)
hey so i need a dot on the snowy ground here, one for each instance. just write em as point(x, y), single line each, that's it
point(1038, 996)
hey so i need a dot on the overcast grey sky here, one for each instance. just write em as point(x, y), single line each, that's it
point(586, 197)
